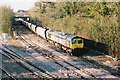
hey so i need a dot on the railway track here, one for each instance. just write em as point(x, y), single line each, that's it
point(8, 74)
point(9, 66)
point(56, 59)
point(37, 71)
point(60, 59)
point(99, 64)
point(90, 58)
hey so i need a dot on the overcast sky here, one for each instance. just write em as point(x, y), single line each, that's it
point(27, 4)
point(18, 4)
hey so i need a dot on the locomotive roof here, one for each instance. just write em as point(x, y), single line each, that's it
point(62, 34)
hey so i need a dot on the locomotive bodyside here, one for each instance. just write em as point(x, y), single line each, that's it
point(57, 37)
point(67, 40)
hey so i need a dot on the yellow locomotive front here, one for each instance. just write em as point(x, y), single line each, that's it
point(77, 43)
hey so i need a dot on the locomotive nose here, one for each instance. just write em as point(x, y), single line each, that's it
point(80, 44)
point(77, 43)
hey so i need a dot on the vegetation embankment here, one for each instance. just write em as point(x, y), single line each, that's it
point(95, 21)
point(6, 19)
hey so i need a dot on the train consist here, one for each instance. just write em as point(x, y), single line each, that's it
point(70, 43)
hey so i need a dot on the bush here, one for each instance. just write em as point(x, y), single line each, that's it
point(6, 19)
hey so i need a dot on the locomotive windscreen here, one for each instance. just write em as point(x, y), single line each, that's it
point(79, 41)
point(73, 41)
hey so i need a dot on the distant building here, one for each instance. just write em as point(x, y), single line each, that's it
point(21, 13)
point(20, 10)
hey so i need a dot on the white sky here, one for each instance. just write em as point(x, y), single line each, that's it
point(27, 4)
point(18, 4)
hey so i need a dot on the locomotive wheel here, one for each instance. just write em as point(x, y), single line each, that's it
point(69, 51)
point(60, 46)
point(64, 48)
point(74, 52)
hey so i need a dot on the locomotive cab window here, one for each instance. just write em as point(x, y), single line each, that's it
point(79, 41)
point(73, 41)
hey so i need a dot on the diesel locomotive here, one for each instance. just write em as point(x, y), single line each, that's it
point(70, 43)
